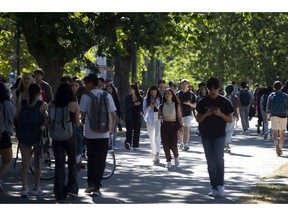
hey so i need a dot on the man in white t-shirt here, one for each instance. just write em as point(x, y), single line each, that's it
point(96, 143)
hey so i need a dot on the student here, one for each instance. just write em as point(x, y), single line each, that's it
point(64, 97)
point(8, 115)
point(150, 107)
point(34, 93)
point(46, 90)
point(96, 142)
point(213, 112)
point(277, 111)
point(133, 105)
point(187, 101)
point(171, 123)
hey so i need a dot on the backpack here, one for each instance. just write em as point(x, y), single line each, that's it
point(99, 114)
point(29, 122)
point(244, 97)
point(2, 124)
point(278, 107)
point(61, 126)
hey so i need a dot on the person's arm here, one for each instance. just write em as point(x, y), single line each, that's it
point(202, 116)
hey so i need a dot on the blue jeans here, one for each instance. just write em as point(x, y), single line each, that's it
point(214, 153)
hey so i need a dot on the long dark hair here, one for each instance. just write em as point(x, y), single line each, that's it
point(33, 90)
point(64, 95)
point(137, 92)
point(174, 97)
point(4, 93)
point(158, 95)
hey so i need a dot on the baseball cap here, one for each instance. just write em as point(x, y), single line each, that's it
point(184, 80)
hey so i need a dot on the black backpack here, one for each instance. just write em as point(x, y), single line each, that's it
point(244, 97)
point(29, 122)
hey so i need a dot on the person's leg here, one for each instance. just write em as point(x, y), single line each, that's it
point(136, 135)
point(151, 133)
point(59, 180)
point(242, 117)
point(91, 161)
point(157, 137)
point(219, 160)
point(129, 128)
point(246, 117)
point(101, 149)
point(70, 148)
point(165, 139)
point(6, 154)
point(283, 123)
point(37, 167)
point(208, 145)
point(25, 155)
point(229, 130)
point(187, 127)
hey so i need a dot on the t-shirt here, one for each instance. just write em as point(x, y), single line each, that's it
point(186, 96)
point(85, 107)
point(213, 126)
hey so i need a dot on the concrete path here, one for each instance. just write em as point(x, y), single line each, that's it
point(136, 180)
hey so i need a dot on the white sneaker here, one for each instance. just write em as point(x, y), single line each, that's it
point(168, 165)
point(213, 192)
point(220, 191)
point(181, 146)
point(177, 162)
point(37, 192)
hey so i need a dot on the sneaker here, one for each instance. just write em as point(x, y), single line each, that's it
point(265, 136)
point(186, 147)
point(181, 146)
point(72, 194)
point(156, 159)
point(37, 192)
point(168, 165)
point(213, 192)
point(177, 162)
point(220, 191)
point(89, 189)
point(96, 192)
point(278, 150)
point(127, 145)
point(24, 193)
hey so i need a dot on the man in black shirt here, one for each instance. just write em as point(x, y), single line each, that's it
point(187, 101)
point(212, 114)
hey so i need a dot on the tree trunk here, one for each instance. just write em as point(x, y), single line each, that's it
point(52, 75)
point(122, 74)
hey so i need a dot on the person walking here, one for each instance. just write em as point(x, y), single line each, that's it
point(235, 101)
point(27, 128)
point(213, 112)
point(150, 107)
point(64, 107)
point(7, 115)
point(246, 98)
point(277, 112)
point(171, 123)
point(97, 143)
point(187, 101)
point(133, 105)
point(263, 105)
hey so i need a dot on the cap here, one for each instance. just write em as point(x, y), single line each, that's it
point(108, 81)
point(184, 80)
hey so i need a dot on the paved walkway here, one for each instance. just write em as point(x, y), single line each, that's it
point(136, 180)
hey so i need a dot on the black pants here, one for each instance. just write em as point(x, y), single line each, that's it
point(133, 128)
point(169, 136)
point(96, 152)
point(61, 149)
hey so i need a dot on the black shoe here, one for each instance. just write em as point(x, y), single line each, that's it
point(127, 145)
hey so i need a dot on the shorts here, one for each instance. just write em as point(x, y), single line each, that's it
point(278, 123)
point(5, 141)
point(187, 121)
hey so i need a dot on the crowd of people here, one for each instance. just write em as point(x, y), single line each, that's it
point(166, 110)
